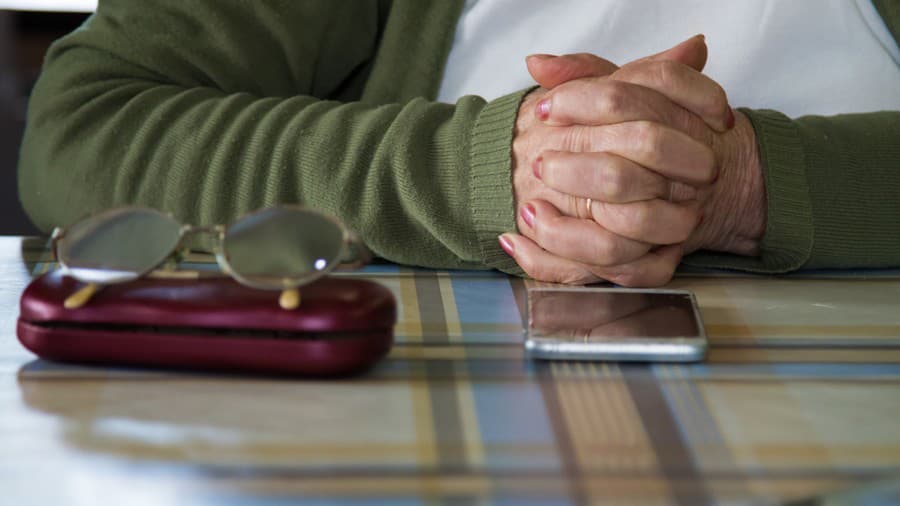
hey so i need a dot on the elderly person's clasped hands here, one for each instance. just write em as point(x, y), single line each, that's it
point(618, 172)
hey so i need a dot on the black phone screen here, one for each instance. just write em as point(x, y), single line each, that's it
point(588, 315)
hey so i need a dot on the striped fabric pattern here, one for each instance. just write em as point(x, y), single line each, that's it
point(798, 403)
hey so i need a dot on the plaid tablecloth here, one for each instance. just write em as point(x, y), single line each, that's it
point(798, 403)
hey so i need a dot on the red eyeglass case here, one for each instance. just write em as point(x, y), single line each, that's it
point(342, 326)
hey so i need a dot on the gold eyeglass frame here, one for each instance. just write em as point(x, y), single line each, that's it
point(289, 286)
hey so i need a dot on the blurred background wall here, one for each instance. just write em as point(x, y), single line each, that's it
point(25, 36)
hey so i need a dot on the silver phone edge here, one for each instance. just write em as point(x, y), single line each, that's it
point(541, 349)
point(624, 352)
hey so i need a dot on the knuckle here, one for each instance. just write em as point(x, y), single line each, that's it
point(577, 139)
point(643, 278)
point(647, 139)
point(526, 145)
point(575, 276)
point(615, 181)
point(708, 166)
point(603, 252)
point(717, 101)
point(663, 278)
point(582, 57)
point(662, 275)
point(540, 274)
point(681, 234)
point(628, 278)
point(612, 101)
point(520, 143)
point(692, 216)
point(679, 192)
point(687, 224)
point(690, 123)
point(551, 274)
point(667, 190)
point(651, 279)
point(636, 216)
point(531, 269)
point(666, 72)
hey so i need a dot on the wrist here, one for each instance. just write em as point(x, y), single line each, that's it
point(736, 212)
point(490, 200)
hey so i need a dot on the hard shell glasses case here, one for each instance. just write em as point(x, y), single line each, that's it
point(342, 326)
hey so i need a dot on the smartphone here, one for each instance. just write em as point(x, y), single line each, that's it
point(614, 324)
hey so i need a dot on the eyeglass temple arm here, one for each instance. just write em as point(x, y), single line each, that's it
point(357, 254)
point(55, 236)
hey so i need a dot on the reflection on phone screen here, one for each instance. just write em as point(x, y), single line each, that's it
point(585, 315)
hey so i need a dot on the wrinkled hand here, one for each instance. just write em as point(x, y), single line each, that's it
point(644, 144)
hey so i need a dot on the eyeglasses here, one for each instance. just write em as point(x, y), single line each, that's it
point(277, 248)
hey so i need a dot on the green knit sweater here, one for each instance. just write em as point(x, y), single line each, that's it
point(211, 108)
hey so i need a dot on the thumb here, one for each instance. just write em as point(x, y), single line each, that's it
point(692, 52)
point(550, 71)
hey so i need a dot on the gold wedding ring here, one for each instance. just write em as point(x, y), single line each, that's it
point(589, 204)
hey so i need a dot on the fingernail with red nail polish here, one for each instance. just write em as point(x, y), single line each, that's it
point(729, 121)
point(537, 166)
point(543, 109)
point(507, 245)
point(527, 213)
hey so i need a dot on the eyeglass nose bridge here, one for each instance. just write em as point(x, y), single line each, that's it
point(217, 230)
point(289, 298)
point(210, 236)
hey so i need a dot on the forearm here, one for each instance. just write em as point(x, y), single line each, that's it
point(201, 138)
point(853, 173)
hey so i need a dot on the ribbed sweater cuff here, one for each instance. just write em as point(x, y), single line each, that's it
point(490, 179)
point(788, 240)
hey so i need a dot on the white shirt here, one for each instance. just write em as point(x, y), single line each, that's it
point(795, 56)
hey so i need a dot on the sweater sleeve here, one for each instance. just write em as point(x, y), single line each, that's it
point(210, 109)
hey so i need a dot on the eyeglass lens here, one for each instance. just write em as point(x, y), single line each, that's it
point(283, 246)
point(118, 245)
